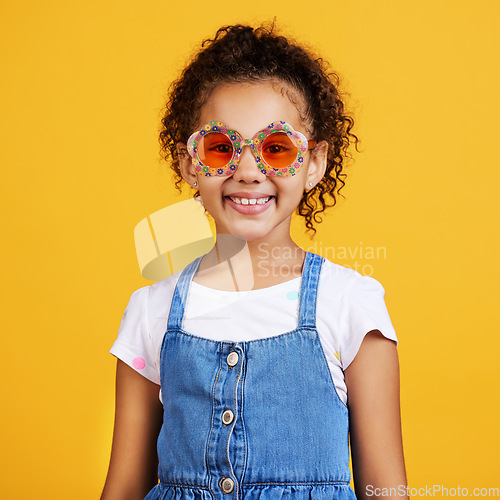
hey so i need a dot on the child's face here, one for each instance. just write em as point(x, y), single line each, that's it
point(249, 108)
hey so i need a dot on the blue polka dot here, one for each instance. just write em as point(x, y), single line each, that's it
point(292, 295)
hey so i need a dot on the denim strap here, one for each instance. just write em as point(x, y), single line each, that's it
point(310, 280)
point(180, 294)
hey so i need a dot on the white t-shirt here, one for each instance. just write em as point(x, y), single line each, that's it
point(349, 305)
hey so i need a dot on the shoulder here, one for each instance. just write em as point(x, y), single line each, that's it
point(162, 291)
point(149, 304)
point(346, 281)
point(350, 305)
point(142, 326)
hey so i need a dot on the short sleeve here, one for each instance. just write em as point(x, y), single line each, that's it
point(365, 310)
point(134, 344)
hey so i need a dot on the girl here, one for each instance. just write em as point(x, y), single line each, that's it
point(266, 355)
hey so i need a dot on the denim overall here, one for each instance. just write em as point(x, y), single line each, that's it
point(251, 420)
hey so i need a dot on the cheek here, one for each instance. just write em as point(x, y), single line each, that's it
point(210, 189)
point(290, 193)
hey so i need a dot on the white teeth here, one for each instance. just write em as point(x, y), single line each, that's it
point(250, 201)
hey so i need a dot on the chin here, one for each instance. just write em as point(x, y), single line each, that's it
point(249, 234)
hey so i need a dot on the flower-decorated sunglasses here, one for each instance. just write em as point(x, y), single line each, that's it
point(278, 149)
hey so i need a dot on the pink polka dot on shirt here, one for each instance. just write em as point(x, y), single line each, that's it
point(138, 363)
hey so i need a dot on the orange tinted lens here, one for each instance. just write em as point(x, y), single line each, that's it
point(278, 150)
point(215, 150)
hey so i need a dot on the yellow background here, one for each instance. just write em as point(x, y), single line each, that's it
point(82, 89)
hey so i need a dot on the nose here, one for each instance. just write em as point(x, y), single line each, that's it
point(247, 169)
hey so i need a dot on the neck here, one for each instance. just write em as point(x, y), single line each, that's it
point(253, 264)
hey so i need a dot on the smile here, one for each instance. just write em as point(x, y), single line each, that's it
point(249, 201)
point(250, 205)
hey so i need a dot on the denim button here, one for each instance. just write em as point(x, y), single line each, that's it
point(232, 358)
point(227, 417)
point(226, 484)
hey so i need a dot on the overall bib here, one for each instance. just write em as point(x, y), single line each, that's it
point(251, 420)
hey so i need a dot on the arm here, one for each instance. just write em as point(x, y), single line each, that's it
point(138, 418)
point(372, 381)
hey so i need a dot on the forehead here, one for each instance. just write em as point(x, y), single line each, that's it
point(251, 106)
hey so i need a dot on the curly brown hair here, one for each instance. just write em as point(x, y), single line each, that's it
point(240, 53)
